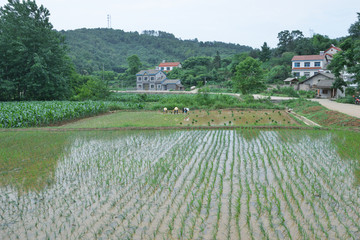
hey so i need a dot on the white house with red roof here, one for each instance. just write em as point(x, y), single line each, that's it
point(310, 65)
point(168, 66)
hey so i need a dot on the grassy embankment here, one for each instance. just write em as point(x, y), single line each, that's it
point(321, 115)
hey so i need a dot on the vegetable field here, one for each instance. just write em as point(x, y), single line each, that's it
point(220, 184)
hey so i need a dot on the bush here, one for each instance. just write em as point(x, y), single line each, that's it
point(347, 99)
point(93, 89)
point(307, 94)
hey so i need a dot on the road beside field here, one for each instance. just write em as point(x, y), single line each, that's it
point(349, 109)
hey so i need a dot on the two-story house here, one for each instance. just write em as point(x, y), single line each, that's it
point(150, 79)
point(156, 80)
point(307, 65)
point(310, 65)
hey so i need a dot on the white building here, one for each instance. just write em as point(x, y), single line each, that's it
point(307, 65)
point(168, 66)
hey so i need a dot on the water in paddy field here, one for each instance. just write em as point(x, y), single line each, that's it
point(180, 184)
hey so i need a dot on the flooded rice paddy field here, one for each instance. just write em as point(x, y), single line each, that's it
point(218, 184)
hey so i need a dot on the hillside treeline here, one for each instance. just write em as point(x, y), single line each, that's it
point(97, 49)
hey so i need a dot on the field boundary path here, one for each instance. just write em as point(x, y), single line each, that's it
point(305, 120)
point(47, 129)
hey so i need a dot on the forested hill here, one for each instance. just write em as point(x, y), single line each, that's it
point(93, 49)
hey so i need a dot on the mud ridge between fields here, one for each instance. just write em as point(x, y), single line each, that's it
point(158, 128)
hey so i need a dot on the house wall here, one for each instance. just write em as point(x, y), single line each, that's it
point(171, 87)
point(304, 87)
point(324, 93)
point(148, 82)
point(300, 69)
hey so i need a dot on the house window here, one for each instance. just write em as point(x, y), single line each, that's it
point(145, 78)
point(168, 68)
point(307, 64)
point(159, 86)
point(139, 86)
point(307, 74)
point(296, 74)
point(139, 78)
point(152, 78)
point(325, 91)
point(152, 86)
point(297, 64)
point(317, 64)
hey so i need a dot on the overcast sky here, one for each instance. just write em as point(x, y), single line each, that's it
point(247, 22)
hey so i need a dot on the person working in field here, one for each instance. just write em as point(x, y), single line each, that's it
point(176, 110)
point(165, 110)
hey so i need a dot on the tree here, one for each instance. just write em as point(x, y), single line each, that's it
point(321, 42)
point(278, 74)
point(354, 29)
point(265, 53)
point(288, 40)
point(217, 60)
point(33, 63)
point(248, 76)
point(349, 58)
point(134, 65)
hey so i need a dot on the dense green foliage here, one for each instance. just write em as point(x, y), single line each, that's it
point(33, 62)
point(249, 76)
point(91, 49)
point(349, 58)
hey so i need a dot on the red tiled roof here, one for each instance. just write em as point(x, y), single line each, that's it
point(169, 64)
point(336, 48)
point(307, 57)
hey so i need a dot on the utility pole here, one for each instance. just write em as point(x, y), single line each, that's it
point(109, 20)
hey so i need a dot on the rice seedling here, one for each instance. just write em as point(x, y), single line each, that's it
point(220, 184)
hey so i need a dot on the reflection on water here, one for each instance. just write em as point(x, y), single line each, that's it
point(29, 159)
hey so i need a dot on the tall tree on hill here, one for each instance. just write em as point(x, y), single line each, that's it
point(217, 61)
point(265, 53)
point(134, 65)
point(33, 63)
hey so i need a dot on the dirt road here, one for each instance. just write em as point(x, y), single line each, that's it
point(349, 109)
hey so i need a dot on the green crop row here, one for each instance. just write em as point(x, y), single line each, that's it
point(33, 114)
